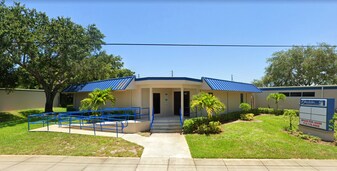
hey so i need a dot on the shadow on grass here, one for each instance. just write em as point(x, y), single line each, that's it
point(12, 123)
point(6, 116)
point(26, 113)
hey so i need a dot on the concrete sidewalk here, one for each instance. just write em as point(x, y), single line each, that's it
point(157, 145)
point(50, 163)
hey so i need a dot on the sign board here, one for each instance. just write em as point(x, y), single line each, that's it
point(317, 113)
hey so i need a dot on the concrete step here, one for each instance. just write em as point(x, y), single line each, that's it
point(166, 124)
point(166, 127)
point(166, 121)
point(165, 131)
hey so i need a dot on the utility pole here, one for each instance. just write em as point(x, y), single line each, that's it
point(232, 77)
point(138, 75)
point(171, 73)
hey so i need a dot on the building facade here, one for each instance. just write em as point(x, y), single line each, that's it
point(165, 96)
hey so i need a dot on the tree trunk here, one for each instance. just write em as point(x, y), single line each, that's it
point(49, 101)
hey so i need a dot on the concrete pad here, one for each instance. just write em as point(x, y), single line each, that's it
point(154, 161)
point(45, 159)
point(247, 168)
point(110, 168)
point(181, 168)
point(31, 166)
point(84, 160)
point(279, 162)
point(331, 163)
point(122, 161)
point(321, 168)
point(211, 168)
point(151, 168)
point(5, 164)
point(209, 162)
point(244, 162)
point(290, 168)
point(166, 145)
point(68, 167)
point(181, 161)
point(13, 158)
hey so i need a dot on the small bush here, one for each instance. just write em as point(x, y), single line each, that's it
point(26, 113)
point(70, 108)
point(245, 107)
point(247, 117)
point(189, 126)
point(210, 128)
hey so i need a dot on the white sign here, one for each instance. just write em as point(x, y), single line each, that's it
point(313, 113)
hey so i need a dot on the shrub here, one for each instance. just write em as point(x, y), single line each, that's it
point(70, 108)
point(26, 113)
point(290, 114)
point(189, 126)
point(245, 107)
point(210, 128)
point(247, 116)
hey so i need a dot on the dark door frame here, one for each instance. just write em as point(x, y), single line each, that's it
point(177, 103)
point(156, 103)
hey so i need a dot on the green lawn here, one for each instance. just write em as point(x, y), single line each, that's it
point(16, 140)
point(266, 139)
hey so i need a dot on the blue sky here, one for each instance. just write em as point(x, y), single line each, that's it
point(214, 22)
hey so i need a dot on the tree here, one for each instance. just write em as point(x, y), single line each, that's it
point(206, 101)
point(301, 66)
point(277, 97)
point(291, 114)
point(53, 53)
point(97, 99)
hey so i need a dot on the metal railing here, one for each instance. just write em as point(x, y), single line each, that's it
point(152, 119)
point(181, 118)
point(109, 119)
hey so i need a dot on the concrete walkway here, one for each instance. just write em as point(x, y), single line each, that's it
point(51, 163)
point(157, 145)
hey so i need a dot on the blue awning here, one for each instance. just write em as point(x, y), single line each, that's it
point(224, 85)
point(114, 84)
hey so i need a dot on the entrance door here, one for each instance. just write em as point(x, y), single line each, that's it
point(177, 103)
point(156, 103)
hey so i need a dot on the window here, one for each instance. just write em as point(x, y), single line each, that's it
point(298, 94)
point(308, 94)
point(295, 94)
point(241, 98)
point(285, 93)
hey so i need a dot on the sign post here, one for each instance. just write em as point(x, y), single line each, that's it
point(315, 116)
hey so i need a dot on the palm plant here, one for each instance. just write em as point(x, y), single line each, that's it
point(277, 97)
point(206, 101)
point(97, 99)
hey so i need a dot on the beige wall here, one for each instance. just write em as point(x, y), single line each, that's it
point(24, 99)
point(140, 97)
point(292, 102)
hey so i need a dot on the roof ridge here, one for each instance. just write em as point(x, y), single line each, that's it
point(228, 81)
point(109, 79)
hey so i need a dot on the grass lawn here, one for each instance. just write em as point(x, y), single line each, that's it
point(16, 140)
point(266, 139)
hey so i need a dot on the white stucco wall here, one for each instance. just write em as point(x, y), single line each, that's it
point(24, 99)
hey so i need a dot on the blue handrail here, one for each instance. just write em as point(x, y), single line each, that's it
point(152, 119)
point(181, 118)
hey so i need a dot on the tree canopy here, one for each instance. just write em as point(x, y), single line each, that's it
point(207, 101)
point(301, 66)
point(51, 53)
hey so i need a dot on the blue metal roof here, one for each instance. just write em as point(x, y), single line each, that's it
point(168, 78)
point(114, 84)
point(223, 85)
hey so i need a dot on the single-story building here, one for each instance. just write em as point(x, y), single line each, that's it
point(294, 94)
point(164, 96)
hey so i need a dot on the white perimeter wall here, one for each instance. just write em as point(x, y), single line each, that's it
point(24, 99)
point(293, 102)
